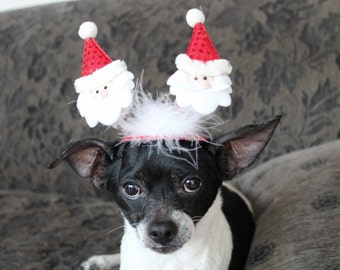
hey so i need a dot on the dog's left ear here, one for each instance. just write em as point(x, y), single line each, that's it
point(90, 158)
point(240, 148)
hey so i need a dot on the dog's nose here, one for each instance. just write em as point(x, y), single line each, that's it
point(163, 232)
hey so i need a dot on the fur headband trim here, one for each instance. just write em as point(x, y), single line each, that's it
point(161, 119)
point(209, 68)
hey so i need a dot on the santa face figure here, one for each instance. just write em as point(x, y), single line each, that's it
point(105, 102)
point(105, 86)
point(201, 80)
point(204, 93)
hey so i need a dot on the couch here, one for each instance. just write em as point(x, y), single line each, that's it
point(286, 60)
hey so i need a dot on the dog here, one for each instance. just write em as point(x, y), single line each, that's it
point(176, 215)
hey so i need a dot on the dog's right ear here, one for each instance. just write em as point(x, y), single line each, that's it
point(238, 149)
point(90, 158)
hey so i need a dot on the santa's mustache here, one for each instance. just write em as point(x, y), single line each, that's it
point(196, 87)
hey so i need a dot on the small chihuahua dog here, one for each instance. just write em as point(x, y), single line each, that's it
point(177, 216)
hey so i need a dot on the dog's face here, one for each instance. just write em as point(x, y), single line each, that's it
point(160, 194)
point(163, 195)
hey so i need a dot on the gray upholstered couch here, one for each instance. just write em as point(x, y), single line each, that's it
point(286, 60)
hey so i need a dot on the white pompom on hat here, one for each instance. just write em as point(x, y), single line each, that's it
point(88, 30)
point(195, 16)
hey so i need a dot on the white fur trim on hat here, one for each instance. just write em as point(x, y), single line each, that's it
point(209, 68)
point(100, 76)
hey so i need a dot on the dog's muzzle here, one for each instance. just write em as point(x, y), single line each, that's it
point(162, 233)
point(166, 233)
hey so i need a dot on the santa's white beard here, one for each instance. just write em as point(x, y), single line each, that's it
point(204, 101)
point(106, 111)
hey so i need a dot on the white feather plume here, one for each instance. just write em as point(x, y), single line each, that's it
point(162, 119)
point(159, 122)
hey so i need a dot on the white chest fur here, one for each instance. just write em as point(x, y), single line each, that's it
point(209, 248)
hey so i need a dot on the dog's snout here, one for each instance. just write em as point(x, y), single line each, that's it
point(163, 232)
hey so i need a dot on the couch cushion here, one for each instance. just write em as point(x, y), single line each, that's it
point(54, 231)
point(296, 200)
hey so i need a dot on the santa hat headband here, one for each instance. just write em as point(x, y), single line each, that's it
point(160, 122)
point(201, 57)
point(97, 66)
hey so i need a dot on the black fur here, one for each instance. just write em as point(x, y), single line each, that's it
point(242, 226)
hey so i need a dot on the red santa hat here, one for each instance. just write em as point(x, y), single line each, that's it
point(201, 57)
point(97, 67)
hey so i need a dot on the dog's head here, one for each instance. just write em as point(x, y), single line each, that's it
point(160, 194)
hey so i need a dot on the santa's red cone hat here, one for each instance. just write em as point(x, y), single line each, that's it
point(201, 57)
point(98, 67)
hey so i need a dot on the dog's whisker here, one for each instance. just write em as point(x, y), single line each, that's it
point(72, 102)
point(196, 218)
point(116, 229)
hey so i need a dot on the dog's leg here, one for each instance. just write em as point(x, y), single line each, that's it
point(101, 262)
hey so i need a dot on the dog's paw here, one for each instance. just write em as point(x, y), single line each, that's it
point(101, 262)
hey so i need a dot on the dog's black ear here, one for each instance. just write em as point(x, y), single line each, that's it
point(240, 148)
point(89, 158)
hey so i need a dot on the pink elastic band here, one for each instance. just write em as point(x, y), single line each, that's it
point(157, 138)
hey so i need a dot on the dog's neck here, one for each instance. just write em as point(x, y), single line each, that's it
point(201, 252)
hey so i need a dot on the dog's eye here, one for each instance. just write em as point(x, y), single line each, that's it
point(131, 190)
point(192, 185)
